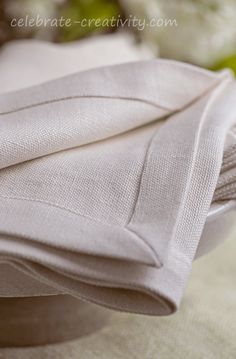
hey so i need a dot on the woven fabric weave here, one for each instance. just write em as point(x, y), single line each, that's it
point(107, 176)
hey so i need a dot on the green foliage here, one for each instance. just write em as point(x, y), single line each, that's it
point(77, 10)
point(229, 62)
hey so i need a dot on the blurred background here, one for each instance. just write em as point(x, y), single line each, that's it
point(202, 32)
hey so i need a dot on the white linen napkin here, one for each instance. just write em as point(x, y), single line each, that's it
point(107, 176)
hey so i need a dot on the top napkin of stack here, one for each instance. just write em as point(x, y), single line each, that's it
point(107, 176)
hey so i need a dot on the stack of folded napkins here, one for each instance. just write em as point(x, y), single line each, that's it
point(107, 176)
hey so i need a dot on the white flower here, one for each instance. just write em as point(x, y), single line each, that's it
point(205, 31)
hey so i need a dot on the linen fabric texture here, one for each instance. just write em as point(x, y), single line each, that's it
point(107, 176)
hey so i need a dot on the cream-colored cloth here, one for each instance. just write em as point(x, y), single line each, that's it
point(107, 176)
point(206, 319)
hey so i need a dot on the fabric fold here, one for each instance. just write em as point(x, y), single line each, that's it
point(93, 105)
point(107, 177)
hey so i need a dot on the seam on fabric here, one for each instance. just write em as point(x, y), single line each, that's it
point(156, 255)
point(130, 217)
point(147, 155)
point(145, 164)
point(215, 94)
point(153, 104)
point(51, 204)
point(54, 205)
